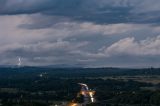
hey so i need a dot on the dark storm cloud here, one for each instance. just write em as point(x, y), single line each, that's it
point(97, 11)
point(13, 7)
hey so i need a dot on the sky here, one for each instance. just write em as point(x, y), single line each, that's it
point(80, 33)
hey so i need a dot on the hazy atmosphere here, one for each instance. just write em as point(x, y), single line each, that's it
point(80, 33)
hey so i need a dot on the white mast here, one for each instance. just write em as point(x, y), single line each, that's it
point(19, 62)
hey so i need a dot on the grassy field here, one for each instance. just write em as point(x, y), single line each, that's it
point(147, 79)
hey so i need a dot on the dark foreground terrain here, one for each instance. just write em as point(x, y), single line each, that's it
point(32, 86)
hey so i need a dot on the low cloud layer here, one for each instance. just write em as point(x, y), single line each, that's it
point(128, 46)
